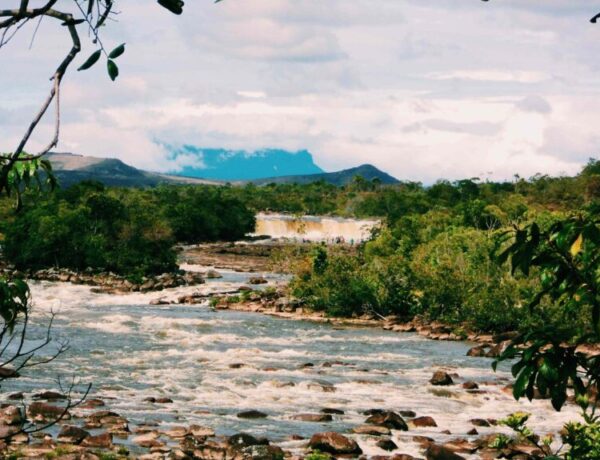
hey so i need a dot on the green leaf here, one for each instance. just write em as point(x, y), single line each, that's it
point(174, 6)
point(113, 70)
point(114, 54)
point(522, 382)
point(91, 60)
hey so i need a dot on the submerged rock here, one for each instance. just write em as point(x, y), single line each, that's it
point(334, 443)
point(386, 444)
point(441, 378)
point(330, 410)
point(213, 274)
point(72, 434)
point(252, 414)
point(49, 396)
point(372, 430)
point(313, 417)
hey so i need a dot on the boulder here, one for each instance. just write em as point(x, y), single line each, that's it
point(470, 385)
point(334, 443)
point(389, 419)
point(49, 396)
point(41, 411)
point(72, 434)
point(477, 351)
point(386, 444)
point(262, 452)
point(441, 378)
point(424, 422)
point(243, 440)
point(437, 452)
point(101, 441)
point(8, 373)
point(257, 280)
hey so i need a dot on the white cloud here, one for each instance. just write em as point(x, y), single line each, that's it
point(421, 89)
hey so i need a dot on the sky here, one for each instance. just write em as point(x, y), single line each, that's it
point(421, 89)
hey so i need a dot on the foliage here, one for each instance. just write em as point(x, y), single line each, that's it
point(318, 455)
point(130, 232)
point(584, 441)
point(567, 259)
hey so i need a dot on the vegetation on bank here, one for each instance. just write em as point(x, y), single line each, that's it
point(435, 255)
point(126, 231)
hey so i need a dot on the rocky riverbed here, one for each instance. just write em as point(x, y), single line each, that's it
point(227, 366)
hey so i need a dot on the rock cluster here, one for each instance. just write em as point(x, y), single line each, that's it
point(110, 282)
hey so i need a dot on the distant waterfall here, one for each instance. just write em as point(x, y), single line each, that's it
point(314, 228)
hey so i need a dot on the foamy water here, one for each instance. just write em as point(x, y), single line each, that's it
point(131, 350)
point(314, 228)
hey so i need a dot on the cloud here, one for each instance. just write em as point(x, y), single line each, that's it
point(421, 89)
point(535, 104)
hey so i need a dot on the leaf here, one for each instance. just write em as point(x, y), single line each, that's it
point(114, 54)
point(174, 6)
point(113, 70)
point(90, 61)
point(522, 382)
point(577, 245)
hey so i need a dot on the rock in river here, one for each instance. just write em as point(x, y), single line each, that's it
point(424, 422)
point(334, 443)
point(389, 419)
point(436, 452)
point(441, 378)
point(252, 414)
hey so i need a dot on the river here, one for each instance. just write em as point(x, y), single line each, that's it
point(214, 364)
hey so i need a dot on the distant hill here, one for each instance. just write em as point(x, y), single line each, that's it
point(70, 169)
point(242, 165)
point(339, 178)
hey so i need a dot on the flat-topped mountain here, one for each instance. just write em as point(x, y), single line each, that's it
point(244, 165)
point(71, 168)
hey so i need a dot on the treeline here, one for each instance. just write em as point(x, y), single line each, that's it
point(126, 231)
point(436, 254)
point(481, 203)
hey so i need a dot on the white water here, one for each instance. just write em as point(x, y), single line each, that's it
point(132, 350)
point(314, 228)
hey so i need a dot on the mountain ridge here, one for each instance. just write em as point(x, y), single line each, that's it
point(72, 168)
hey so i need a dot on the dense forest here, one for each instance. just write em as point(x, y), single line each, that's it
point(436, 254)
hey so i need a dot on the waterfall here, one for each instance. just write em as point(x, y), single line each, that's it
point(314, 228)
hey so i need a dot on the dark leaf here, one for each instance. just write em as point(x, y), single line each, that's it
point(91, 60)
point(113, 70)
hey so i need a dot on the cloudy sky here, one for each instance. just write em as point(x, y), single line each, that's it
point(422, 89)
